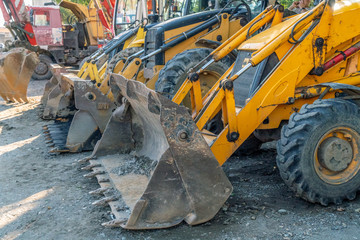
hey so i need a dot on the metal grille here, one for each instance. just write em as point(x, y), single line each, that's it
point(246, 83)
point(150, 46)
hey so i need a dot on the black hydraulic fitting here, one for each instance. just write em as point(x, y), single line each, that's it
point(194, 77)
point(232, 137)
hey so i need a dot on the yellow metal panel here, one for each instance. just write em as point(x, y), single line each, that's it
point(260, 40)
point(87, 15)
point(276, 90)
point(132, 68)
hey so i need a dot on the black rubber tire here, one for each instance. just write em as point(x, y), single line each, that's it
point(175, 70)
point(122, 55)
point(47, 74)
point(297, 144)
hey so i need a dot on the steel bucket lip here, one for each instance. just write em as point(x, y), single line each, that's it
point(17, 67)
point(187, 184)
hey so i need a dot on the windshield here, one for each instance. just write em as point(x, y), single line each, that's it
point(126, 9)
point(194, 6)
point(256, 6)
point(125, 14)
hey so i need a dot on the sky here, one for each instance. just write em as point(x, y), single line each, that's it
point(27, 2)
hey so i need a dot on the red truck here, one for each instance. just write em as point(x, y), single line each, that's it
point(40, 29)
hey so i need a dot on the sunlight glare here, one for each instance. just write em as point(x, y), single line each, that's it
point(11, 212)
point(14, 145)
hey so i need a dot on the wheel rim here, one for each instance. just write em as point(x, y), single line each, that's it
point(41, 68)
point(207, 80)
point(336, 155)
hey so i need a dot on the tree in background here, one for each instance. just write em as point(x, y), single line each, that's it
point(286, 3)
point(66, 15)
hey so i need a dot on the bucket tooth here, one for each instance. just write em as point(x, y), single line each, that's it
point(99, 191)
point(91, 166)
point(94, 173)
point(58, 150)
point(54, 150)
point(85, 160)
point(104, 201)
point(115, 223)
point(55, 136)
point(102, 179)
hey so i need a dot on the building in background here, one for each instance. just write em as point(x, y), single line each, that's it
point(39, 2)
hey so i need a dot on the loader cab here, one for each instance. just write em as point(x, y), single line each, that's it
point(47, 25)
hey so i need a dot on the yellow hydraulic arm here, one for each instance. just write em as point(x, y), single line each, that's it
point(279, 87)
point(89, 69)
point(273, 15)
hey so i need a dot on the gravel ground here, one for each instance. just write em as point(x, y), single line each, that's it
point(46, 197)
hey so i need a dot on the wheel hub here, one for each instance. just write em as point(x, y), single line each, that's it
point(335, 154)
point(41, 68)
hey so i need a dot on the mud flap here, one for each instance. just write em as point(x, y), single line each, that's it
point(170, 175)
point(16, 68)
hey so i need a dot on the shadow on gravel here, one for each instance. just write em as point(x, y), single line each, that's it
point(260, 207)
point(13, 121)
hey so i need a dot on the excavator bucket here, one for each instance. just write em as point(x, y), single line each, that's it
point(58, 97)
point(86, 125)
point(16, 68)
point(163, 171)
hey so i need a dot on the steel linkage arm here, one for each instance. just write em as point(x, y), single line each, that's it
point(267, 97)
point(269, 15)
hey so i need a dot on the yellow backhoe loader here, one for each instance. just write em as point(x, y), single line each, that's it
point(114, 141)
point(162, 42)
point(301, 77)
point(58, 98)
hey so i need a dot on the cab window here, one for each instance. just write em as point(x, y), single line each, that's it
point(41, 18)
point(197, 6)
point(125, 14)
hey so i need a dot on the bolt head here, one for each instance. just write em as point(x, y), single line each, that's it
point(229, 85)
point(183, 135)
